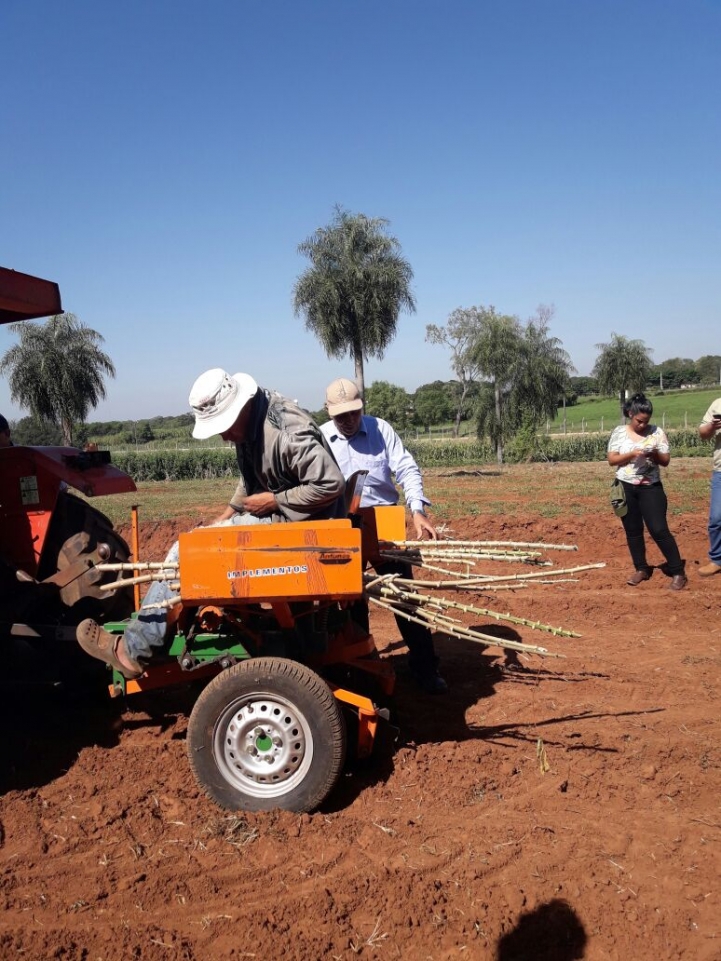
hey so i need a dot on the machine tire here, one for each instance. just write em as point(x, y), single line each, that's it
point(267, 733)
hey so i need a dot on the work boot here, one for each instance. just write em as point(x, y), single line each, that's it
point(639, 577)
point(678, 582)
point(708, 570)
point(101, 644)
point(430, 682)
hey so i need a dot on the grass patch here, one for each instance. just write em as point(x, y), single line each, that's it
point(515, 490)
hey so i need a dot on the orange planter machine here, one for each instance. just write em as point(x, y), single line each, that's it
point(269, 610)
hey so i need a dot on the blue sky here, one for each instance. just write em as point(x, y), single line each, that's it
point(163, 159)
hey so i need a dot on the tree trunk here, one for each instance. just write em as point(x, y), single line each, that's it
point(459, 411)
point(622, 402)
point(499, 442)
point(66, 427)
point(359, 378)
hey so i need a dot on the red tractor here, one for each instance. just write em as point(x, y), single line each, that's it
point(50, 539)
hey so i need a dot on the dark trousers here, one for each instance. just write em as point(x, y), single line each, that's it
point(647, 505)
point(418, 639)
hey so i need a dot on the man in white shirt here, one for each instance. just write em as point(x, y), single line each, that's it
point(361, 442)
point(711, 428)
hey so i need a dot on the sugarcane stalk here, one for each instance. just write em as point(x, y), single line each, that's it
point(465, 582)
point(543, 547)
point(419, 559)
point(159, 605)
point(140, 566)
point(461, 553)
point(143, 579)
point(466, 633)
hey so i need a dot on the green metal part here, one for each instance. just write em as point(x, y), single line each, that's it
point(202, 648)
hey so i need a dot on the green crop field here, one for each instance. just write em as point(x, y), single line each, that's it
point(672, 410)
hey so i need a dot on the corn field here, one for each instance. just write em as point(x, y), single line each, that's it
point(209, 464)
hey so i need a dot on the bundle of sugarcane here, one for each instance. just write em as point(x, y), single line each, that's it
point(459, 561)
point(402, 597)
point(457, 558)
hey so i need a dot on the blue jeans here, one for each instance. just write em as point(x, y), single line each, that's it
point(145, 635)
point(714, 519)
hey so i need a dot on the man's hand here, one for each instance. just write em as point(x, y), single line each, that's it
point(707, 431)
point(423, 526)
point(222, 518)
point(260, 505)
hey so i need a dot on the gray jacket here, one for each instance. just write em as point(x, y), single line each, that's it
point(286, 453)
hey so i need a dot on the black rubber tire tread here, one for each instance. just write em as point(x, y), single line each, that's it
point(309, 693)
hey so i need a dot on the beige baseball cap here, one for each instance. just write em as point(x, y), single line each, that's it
point(217, 398)
point(342, 396)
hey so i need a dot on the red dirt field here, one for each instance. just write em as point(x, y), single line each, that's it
point(451, 843)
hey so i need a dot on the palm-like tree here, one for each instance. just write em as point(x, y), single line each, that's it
point(543, 372)
point(355, 288)
point(497, 353)
point(525, 369)
point(622, 365)
point(57, 370)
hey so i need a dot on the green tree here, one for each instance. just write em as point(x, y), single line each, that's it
point(583, 386)
point(33, 432)
point(390, 402)
point(57, 370)
point(542, 373)
point(498, 354)
point(623, 365)
point(526, 369)
point(709, 369)
point(460, 334)
point(354, 290)
point(673, 373)
point(146, 433)
point(433, 404)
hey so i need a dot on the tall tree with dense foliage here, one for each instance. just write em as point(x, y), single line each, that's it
point(524, 368)
point(543, 373)
point(673, 373)
point(57, 370)
point(388, 401)
point(623, 365)
point(30, 431)
point(356, 287)
point(434, 403)
point(460, 335)
point(498, 354)
point(709, 369)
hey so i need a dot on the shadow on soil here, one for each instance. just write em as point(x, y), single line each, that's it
point(50, 726)
point(472, 675)
point(551, 932)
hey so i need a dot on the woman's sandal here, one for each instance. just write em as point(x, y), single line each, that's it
point(101, 644)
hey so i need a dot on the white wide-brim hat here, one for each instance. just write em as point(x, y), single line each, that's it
point(217, 398)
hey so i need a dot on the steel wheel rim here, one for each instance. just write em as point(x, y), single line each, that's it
point(263, 745)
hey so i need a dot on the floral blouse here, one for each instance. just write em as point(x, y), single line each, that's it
point(641, 470)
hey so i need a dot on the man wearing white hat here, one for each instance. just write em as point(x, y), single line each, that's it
point(362, 442)
point(287, 473)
